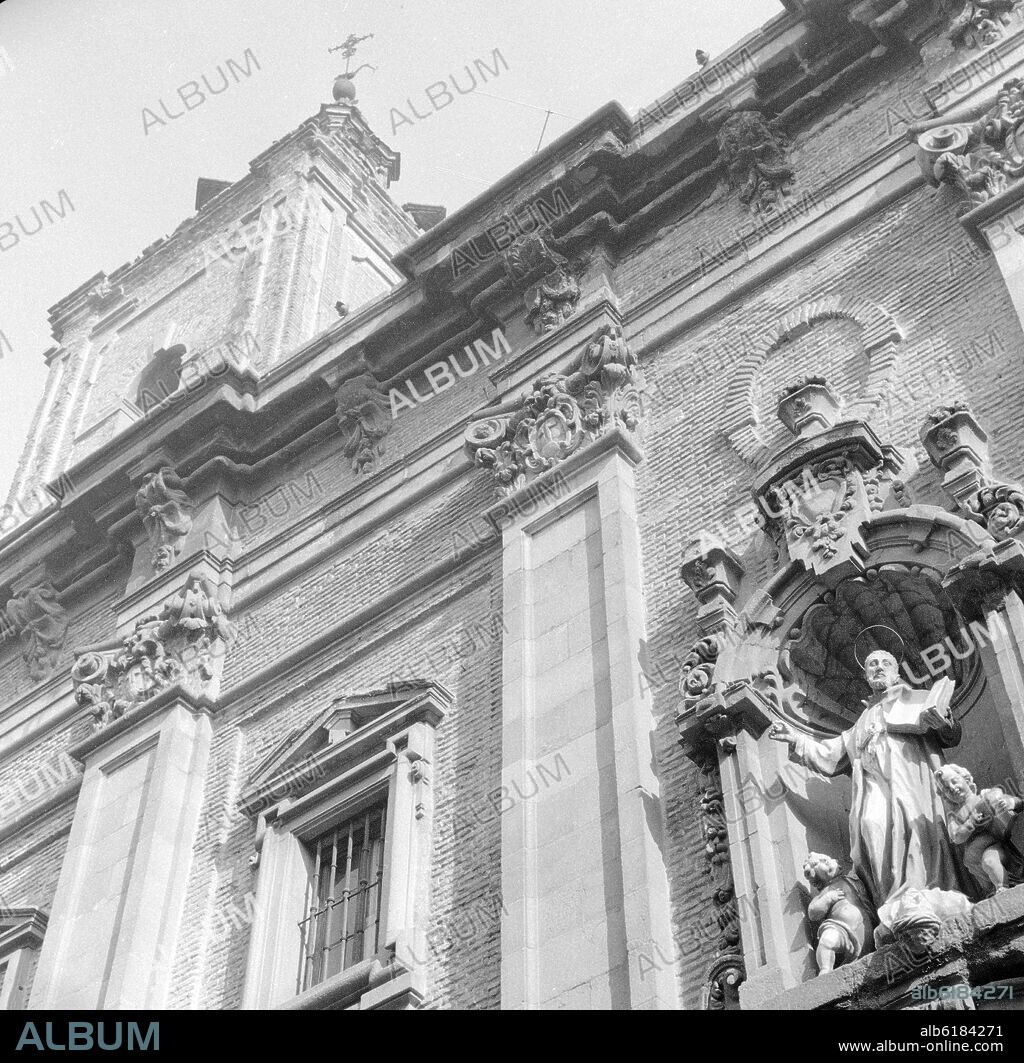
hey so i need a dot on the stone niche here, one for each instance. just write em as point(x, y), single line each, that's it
point(861, 569)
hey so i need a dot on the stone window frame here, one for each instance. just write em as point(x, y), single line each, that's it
point(21, 934)
point(388, 756)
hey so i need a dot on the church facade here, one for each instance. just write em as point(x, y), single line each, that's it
point(606, 596)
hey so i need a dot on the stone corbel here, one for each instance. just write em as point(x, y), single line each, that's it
point(755, 157)
point(166, 509)
point(364, 418)
point(40, 621)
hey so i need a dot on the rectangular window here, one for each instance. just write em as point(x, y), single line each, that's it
point(342, 923)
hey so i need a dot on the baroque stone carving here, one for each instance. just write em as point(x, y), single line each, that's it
point(552, 301)
point(532, 434)
point(838, 910)
point(554, 296)
point(821, 487)
point(364, 419)
point(166, 510)
point(958, 446)
point(713, 572)
point(41, 623)
point(980, 160)
point(755, 159)
point(897, 834)
point(531, 255)
point(983, 824)
point(178, 645)
point(727, 971)
point(981, 23)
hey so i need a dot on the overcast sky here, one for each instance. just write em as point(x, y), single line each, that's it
point(75, 76)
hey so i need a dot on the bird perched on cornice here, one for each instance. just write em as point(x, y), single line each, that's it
point(702, 58)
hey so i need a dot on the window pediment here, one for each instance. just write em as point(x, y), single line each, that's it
point(351, 737)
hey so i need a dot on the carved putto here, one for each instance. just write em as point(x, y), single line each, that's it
point(983, 823)
point(981, 23)
point(839, 911)
point(166, 510)
point(532, 434)
point(364, 419)
point(41, 623)
point(178, 645)
point(755, 160)
point(984, 157)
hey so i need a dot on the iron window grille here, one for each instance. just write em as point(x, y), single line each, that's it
point(343, 900)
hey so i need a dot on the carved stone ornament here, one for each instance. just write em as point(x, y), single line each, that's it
point(532, 434)
point(755, 160)
point(166, 510)
point(958, 446)
point(982, 159)
point(178, 645)
point(364, 419)
point(838, 912)
point(41, 623)
point(819, 488)
point(532, 255)
point(552, 301)
point(727, 972)
point(981, 23)
point(951, 433)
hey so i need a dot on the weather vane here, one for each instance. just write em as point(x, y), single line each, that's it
point(348, 49)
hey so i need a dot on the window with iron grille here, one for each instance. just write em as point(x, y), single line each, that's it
point(342, 923)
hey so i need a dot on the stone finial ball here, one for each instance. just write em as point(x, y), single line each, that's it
point(344, 89)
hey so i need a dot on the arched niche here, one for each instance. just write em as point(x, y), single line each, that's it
point(791, 655)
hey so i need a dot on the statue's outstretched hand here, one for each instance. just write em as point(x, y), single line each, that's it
point(782, 732)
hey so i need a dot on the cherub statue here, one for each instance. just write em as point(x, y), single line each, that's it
point(844, 916)
point(980, 821)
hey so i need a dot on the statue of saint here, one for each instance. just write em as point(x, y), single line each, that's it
point(897, 831)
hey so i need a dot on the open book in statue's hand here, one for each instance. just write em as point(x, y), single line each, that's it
point(907, 715)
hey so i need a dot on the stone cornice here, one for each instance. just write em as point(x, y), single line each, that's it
point(632, 183)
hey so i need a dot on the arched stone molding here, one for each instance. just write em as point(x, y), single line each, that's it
point(880, 338)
